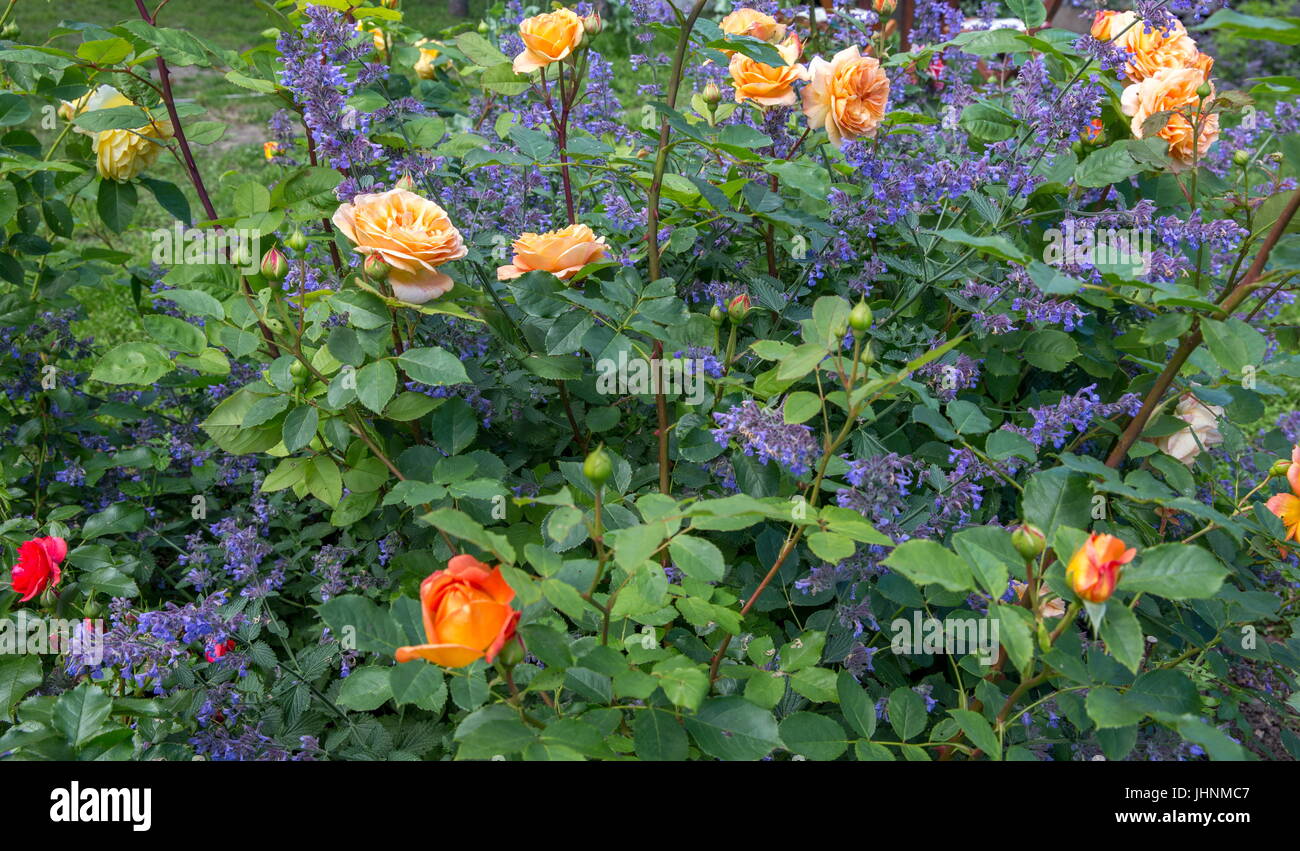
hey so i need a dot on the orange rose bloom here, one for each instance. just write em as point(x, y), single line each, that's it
point(1173, 89)
point(1149, 52)
point(1287, 505)
point(1093, 572)
point(548, 38)
point(409, 233)
point(560, 252)
point(754, 23)
point(847, 95)
point(765, 85)
point(467, 614)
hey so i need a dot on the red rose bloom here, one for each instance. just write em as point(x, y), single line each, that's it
point(38, 566)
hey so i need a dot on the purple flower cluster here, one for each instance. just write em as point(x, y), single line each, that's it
point(763, 433)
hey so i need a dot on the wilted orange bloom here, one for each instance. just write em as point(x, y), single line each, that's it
point(467, 614)
point(754, 23)
point(424, 66)
point(1093, 571)
point(560, 252)
point(847, 95)
point(764, 84)
point(1287, 505)
point(411, 234)
point(548, 38)
point(1174, 90)
point(1049, 606)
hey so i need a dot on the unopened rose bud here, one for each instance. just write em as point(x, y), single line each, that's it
point(49, 597)
point(298, 372)
point(1241, 157)
point(406, 182)
point(11, 31)
point(597, 467)
point(1029, 541)
point(512, 654)
point(1279, 468)
point(92, 609)
point(712, 95)
point(717, 315)
point(374, 268)
point(274, 266)
point(1203, 91)
point(296, 240)
point(868, 356)
point(1276, 156)
point(860, 317)
point(738, 308)
point(593, 24)
point(885, 7)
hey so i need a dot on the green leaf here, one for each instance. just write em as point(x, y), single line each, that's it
point(856, 705)
point(19, 674)
point(1123, 636)
point(1056, 497)
point(697, 557)
point(977, 729)
point(299, 427)
point(118, 519)
point(1234, 343)
point(80, 714)
point(376, 384)
point(366, 688)
point(813, 736)
point(1032, 12)
point(1015, 633)
point(116, 204)
point(990, 554)
point(132, 363)
point(1050, 350)
point(800, 406)
point(682, 681)
point(906, 713)
point(433, 366)
point(1109, 709)
point(658, 737)
point(927, 562)
point(1106, 166)
point(358, 620)
point(1175, 572)
point(967, 418)
point(732, 728)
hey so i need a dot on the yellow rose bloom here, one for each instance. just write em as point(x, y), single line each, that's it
point(766, 85)
point(560, 252)
point(121, 154)
point(846, 96)
point(428, 59)
point(548, 38)
point(1149, 52)
point(411, 234)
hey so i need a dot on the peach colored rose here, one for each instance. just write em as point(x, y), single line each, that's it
point(560, 252)
point(411, 234)
point(846, 96)
point(766, 85)
point(1173, 89)
point(548, 38)
point(754, 23)
point(467, 614)
point(1149, 52)
point(1202, 430)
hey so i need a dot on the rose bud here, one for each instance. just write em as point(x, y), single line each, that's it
point(1029, 541)
point(716, 314)
point(274, 266)
point(467, 615)
point(593, 24)
point(297, 240)
point(860, 317)
point(1279, 468)
point(738, 308)
point(597, 467)
point(38, 566)
point(1093, 571)
point(405, 182)
point(374, 268)
point(711, 95)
